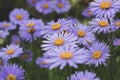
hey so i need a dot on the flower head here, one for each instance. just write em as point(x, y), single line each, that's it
point(85, 36)
point(4, 33)
point(44, 6)
point(26, 56)
point(58, 40)
point(68, 55)
point(12, 72)
point(87, 13)
point(7, 25)
point(15, 39)
point(105, 8)
point(115, 25)
point(32, 2)
point(116, 42)
point(62, 6)
point(99, 53)
point(17, 16)
point(11, 51)
point(84, 76)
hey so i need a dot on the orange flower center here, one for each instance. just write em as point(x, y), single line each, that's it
point(45, 6)
point(19, 16)
point(56, 26)
point(6, 25)
point(66, 55)
point(25, 56)
point(105, 5)
point(60, 5)
point(31, 30)
point(30, 24)
point(117, 24)
point(44, 62)
point(59, 41)
point(96, 54)
point(119, 42)
point(89, 13)
point(103, 23)
point(10, 51)
point(81, 33)
point(11, 77)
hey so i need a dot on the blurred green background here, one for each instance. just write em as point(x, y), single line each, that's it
point(33, 72)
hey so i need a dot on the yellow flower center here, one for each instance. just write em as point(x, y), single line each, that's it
point(45, 6)
point(6, 25)
point(1, 61)
point(117, 24)
point(66, 55)
point(11, 77)
point(19, 16)
point(81, 33)
point(30, 24)
point(119, 43)
point(59, 41)
point(60, 5)
point(89, 13)
point(103, 23)
point(31, 30)
point(96, 54)
point(56, 26)
point(10, 51)
point(24, 56)
point(44, 62)
point(105, 5)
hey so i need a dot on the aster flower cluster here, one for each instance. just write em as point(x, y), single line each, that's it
point(60, 43)
point(47, 6)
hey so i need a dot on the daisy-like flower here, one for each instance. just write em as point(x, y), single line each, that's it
point(26, 55)
point(45, 6)
point(41, 62)
point(62, 6)
point(17, 16)
point(85, 36)
point(87, 13)
point(4, 33)
point(84, 76)
point(11, 51)
point(105, 8)
point(99, 25)
point(61, 25)
point(115, 25)
point(58, 40)
point(15, 39)
point(68, 55)
point(99, 53)
point(7, 25)
point(12, 72)
point(3, 62)
point(30, 29)
point(116, 42)
point(32, 2)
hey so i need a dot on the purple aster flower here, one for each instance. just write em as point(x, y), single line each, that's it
point(115, 25)
point(99, 53)
point(68, 55)
point(26, 55)
point(45, 6)
point(31, 29)
point(83, 76)
point(17, 16)
point(61, 25)
point(85, 36)
point(4, 33)
point(12, 72)
point(41, 61)
point(32, 2)
point(3, 62)
point(100, 25)
point(87, 13)
point(58, 40)
point(62, 6)
point(11, 51)
point(15, 39)
point(105, 8)
point(116, 42)
point(7, 25)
